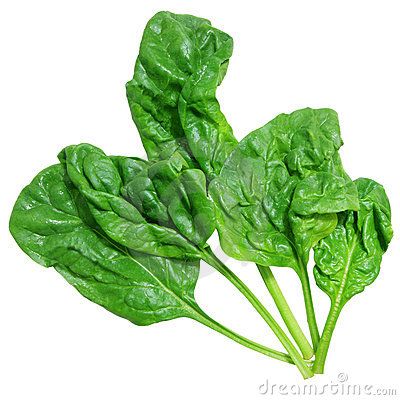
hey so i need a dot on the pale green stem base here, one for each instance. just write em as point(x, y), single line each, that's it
point(336, 307)
point(322, 351)
point(285, 311)
point(216, 326)
point(312, 321)
point(213, 260)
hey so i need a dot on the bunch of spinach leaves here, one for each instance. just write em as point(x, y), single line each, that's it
point(129, 234)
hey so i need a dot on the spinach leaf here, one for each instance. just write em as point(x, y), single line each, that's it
point(349, 258)
point(129, 167)
point(182, 60)
point(98, 180)
point(168, 192)
point(51, 222)
point(173, 197)
point(279, 191)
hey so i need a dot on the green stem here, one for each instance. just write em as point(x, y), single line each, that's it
point(336, 307)
point(213, 260)
point(216, 326)
point(322, 351)
point(312, 321)
point(285, 311)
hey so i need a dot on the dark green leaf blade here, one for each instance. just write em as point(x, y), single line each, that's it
point(280, 188)
point(169, 193)
point(316, 200)
point(183, 191)
point(47, 224)
point(191, 210)
point(97, 179)
point(129, 167)
point(172, 99)
point(140, 191)
point(349, 258)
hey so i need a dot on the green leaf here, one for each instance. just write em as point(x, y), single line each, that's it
point(170, 194)
point(183, 191)
point(161, 210)
point(141, 193)
point(349, 258)
point(52, 224)
point(129, 167)
point(98, 180)
point(182, 60)
point(280, 189)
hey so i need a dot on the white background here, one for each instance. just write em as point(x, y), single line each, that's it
point(63, 69)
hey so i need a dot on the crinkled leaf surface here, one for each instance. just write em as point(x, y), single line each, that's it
point(279, 191)
point(140, 191)
point(97, 178)
point(349, 258)
point(183, 191)
point(171, 194)
point(182, 59)
point(51, 222)
point(129, 167)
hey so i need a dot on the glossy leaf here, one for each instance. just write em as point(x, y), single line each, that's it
point(98, 180)
point(129, 167)
point(165, 198)
point(279, 191)
point(183, 191)
point(51, 222)
point(167, 192)
point(349, 258)
point(140, 191)
point(182, 60)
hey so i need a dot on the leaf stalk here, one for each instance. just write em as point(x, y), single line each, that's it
point(298, 360)
point(286, 312)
